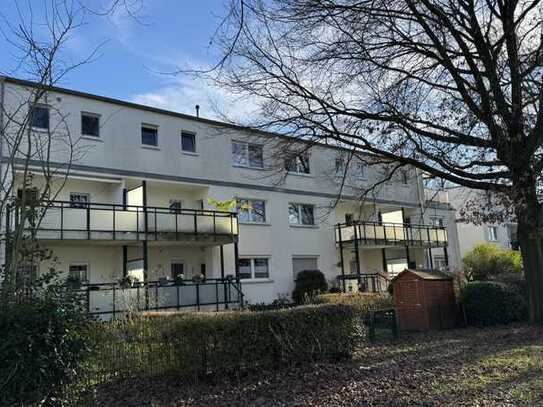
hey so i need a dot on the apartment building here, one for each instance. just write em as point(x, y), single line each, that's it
point(503, 234)
point(137, 194)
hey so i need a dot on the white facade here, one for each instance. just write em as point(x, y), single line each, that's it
point(471, 234)
point(106, 165)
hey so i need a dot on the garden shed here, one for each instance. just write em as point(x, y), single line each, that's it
point(424, 300)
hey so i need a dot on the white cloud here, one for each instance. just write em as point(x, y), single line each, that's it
point(182, 94)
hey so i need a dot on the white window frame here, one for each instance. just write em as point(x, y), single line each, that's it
point(492, 236)
point(299, 168)
point(150, 127)
point(89, 114)
point(45, 106)
point(80, 205)
point(188, 133)
point(78, 264)
point(247, 156)
point(252, 262)
point(250, 210)
point(300, 217)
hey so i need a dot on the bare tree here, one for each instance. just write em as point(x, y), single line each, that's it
point(37, 146)
point(452, 87)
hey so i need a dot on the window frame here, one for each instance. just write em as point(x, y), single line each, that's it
point(31, 115)
point(300, 217)
point(440, 221)
point(80, 205)
point(79, 264)
point(304, 257)
point(149, 127)
point(252, 267)
point(95, 116)
point(239, 200)
point(246, 148)
point(299, 164)
point(192, 134)
point(177, 262)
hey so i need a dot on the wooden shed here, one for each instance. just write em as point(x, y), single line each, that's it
point(424, 300)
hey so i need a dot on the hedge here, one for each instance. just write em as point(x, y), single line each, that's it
point(491, 303)
point(361, 302)
point(195, 344)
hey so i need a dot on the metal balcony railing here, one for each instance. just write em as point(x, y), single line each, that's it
point(81, 221)
point(110, 299)
point(389, 234)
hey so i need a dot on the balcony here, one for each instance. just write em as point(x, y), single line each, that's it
point(391, 234)
point(63, 220)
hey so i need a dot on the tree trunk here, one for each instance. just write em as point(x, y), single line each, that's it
point(531, 244)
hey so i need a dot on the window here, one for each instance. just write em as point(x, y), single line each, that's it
point(303, 263)
point(298, 164)
point(301, 214)
point(30, 196)
point(254, 268)
point(79, 272)
point(405, 177)
point(349, 218)
point(39, 117)
point(90, 124)
point(436, 221)
point(79, 200)
point(440, 263)
point(177, 269)
point(247, 155)
point(493, 233)
point(251, 211)
point(188, 142)
point(175, 205)
point(149, 135)
point(360, 170)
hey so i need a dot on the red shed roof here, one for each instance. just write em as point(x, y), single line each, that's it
point(426, 274)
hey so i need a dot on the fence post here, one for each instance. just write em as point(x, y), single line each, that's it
point(114, 301)
point(217, 295)
point(177, 291)
point(198, 295)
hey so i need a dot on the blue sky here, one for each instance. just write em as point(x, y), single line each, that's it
point(170, 33)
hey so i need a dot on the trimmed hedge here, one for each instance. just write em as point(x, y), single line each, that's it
point(43, 347)
point(491, 303)
point(361, 302)
point(195, 344)
point(309, 283)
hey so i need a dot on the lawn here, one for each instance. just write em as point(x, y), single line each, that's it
point(466, 367)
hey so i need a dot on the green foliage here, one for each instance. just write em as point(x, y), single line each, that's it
point(43, 348)
point(492, 303)
point(489, 262)
point(309, 283)
point(195, 344)
point(361, 302)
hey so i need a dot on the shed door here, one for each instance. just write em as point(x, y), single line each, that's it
point(410, 311)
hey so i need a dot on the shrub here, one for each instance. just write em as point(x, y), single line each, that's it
point(309, 283)
point(361, 302)
point(279, 303)
point(193, 344)
point(491, 303)
point(44, 347)
point(488, 262)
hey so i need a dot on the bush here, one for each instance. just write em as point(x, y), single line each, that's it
point(279, 303)
point(194, 344)
point(491, 303)
point(43, 348)
point(361, 302)
point(309, 283)
point(488, 262)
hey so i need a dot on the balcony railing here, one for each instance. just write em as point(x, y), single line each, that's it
point(110, 299)
point(389, 234)
point(66, 220)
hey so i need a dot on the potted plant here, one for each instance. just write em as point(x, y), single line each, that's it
point(128, 281)
point(179, 279)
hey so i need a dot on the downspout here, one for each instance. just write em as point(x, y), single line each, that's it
point(3, 226)
point(420, 193)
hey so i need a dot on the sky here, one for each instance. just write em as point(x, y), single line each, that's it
point(134, 54)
